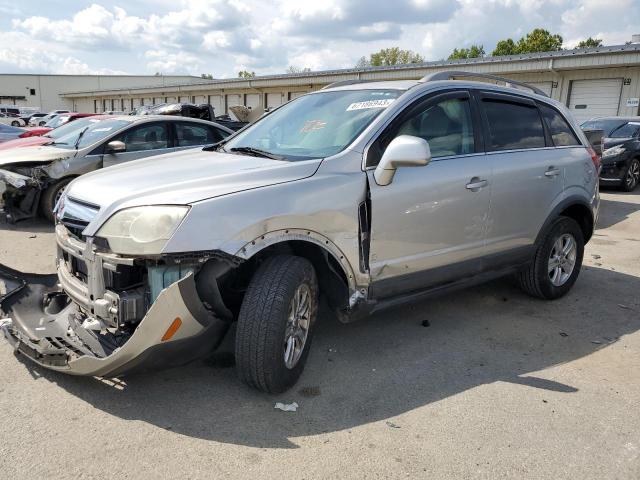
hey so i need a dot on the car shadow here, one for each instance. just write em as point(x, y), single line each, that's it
point(613, 212)
point(382, 367)
point(31, 225)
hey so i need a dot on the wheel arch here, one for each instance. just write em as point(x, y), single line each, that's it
point(575, 208)
point(329, 261)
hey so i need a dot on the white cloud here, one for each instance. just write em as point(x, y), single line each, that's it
point(220, 36)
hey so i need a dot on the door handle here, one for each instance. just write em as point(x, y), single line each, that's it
point(552, 172)
point(476, 184)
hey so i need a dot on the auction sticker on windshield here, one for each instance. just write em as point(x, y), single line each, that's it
point(370, 104)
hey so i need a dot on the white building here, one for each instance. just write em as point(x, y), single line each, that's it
point(44, 92)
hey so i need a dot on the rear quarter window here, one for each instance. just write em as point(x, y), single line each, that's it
point(513, 126)
point(559, 129)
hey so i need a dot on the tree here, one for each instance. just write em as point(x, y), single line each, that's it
point(538, 40)
point(474, 51)
point(157, 74)
point(246, 74)
point(363, 62)
point(505, 47)
point(590, 43)
point(394, 56)
point(294, 69)
point(207, 76)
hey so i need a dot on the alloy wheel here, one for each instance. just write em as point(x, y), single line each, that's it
point(298, 323)
point(633, 175)
point(562, 259)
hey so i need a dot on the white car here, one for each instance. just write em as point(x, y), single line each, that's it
point(13, 121)
point(41, 121)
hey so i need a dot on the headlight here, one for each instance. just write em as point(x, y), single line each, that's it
point(142, 230)
point(613, 151)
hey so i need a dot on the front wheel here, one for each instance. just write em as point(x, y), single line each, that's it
point(275, 325)
point(632, 177)
point(50, 197)
point(556, 263)
point(15, 123)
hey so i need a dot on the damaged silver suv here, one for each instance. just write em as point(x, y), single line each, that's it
point(370, 194)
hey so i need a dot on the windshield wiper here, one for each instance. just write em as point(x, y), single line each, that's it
point(257, 152)
point(80, 137)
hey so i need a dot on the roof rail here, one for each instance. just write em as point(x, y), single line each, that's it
point(344, 83)
point(450, 74)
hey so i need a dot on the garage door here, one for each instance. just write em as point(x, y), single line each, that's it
point(293, 95)
point(198, 99)
point(234, 99)
point(253, 101)
point(594, 98)
point(274, 100)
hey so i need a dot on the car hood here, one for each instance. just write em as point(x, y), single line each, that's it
point(34, 154)
point(182, 178)
point(24, 142)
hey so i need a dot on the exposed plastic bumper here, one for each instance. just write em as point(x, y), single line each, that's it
point(56, 341)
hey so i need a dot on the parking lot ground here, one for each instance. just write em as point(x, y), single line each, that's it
point(498, 385)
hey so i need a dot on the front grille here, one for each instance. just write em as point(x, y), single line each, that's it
point(76, 215)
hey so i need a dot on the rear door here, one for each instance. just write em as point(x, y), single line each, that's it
point(193, 134)
point(145, 140)
point(527, 173)
point(428, 225)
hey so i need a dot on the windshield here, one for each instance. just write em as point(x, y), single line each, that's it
point(627, 130)
point(72, 127)
point(314, 126)
point(57, 121)
point(607, 126)
point(94, 133)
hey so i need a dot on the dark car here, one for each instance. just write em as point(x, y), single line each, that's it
point(620, 150)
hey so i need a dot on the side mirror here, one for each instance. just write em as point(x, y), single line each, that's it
point(403, 151)
point(116, 146)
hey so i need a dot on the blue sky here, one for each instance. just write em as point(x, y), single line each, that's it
point(222, 37)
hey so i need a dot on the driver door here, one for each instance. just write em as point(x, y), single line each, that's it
point(429, 225)
point(142, 141)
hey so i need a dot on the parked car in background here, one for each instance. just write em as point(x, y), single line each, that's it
point(620, 150)
point(373, 194)
point(41, 121)
point(7, 119)
point(28, 139)
point(27, 117)
point(202, 111)
point(8, 133)
point(63, 118)
point(34, 177)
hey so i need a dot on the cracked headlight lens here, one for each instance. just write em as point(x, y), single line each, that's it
point(142, 230)
point(613, 151)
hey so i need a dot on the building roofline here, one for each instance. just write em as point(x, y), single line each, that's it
point(582, 52)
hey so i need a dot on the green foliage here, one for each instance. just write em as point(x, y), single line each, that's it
point(474, 51)
point(538, 40)
point(394, 56)
point(246, 74)
point(590, 43)
point(207, 76)
point(294, 69)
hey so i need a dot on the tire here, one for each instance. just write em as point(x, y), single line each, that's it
point(15, 124)
point(537, 279)
point(49, 198)
point(631, 176)
point(261, 340)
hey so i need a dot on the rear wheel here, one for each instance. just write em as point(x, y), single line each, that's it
point(275, 325)
point(50, 197)
point(556, 263)
point(15, 123)
point(632, 177)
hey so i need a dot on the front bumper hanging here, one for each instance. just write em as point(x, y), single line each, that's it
point(42, 323)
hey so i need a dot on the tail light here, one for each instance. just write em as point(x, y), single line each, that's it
point(595, 158)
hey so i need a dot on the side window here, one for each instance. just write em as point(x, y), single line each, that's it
point(192, 134)
point(445, 124)
point(560, 131)
point(513, 126)
point(150, 136)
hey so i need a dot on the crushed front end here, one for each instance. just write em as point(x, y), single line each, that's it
point(106, 315)
point(20, 189)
